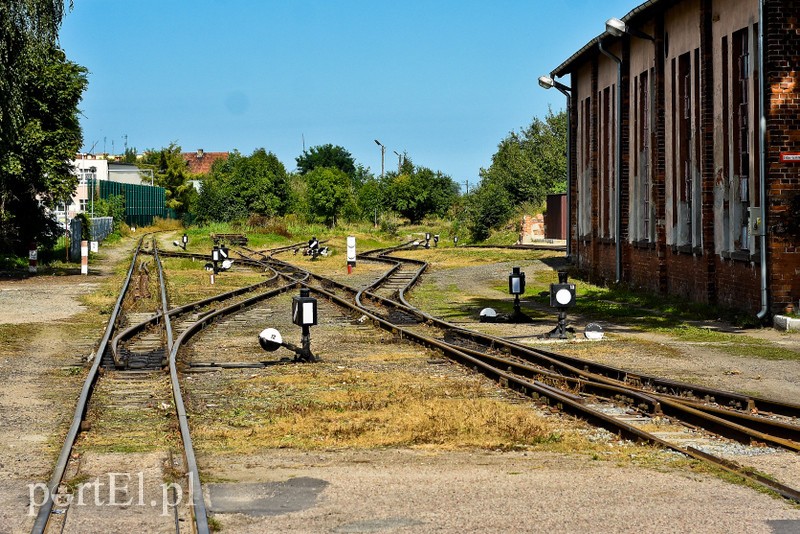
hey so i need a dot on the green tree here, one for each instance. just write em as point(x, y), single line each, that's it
point(113, 206)
point(418, 191)
point(171, 172)
point(326, 156)
point(243, 185)
point(28, 28)
point(490, 207)
point(328, 191)
point(41, 136)
point(371, 199)
point(532, 163)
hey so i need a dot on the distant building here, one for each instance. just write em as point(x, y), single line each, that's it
point(200, 162)
point(675, 186)
point(97, 177)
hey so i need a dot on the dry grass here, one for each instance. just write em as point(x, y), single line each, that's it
point(326, 407)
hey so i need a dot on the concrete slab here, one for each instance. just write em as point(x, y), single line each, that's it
point(786, 323)
point(265, 498)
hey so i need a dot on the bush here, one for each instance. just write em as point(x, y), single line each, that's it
point(389, 224)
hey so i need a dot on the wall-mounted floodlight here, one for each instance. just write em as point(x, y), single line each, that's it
point(546, 82)
point(617, 28)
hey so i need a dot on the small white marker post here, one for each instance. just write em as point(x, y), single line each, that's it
point(84, 257)
point(33, 257)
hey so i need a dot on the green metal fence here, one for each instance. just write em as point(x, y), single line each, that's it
point(143, 203)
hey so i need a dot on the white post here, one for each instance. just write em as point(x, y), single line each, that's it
point(84, 257)
point(32, 258)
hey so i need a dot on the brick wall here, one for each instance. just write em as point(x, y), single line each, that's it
point(782, 46)
point(532, 228)
point(703, 274)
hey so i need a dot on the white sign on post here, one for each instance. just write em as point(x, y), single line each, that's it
point(351, 250)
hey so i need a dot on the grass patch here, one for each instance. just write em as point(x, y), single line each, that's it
point(327, 407)
point(13, 337)
point(736, 344)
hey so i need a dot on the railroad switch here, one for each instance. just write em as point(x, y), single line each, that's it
point(562, 296)
point(304, 314)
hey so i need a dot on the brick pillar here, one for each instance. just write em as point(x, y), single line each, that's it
point(707, 147)
point(782, 102)
point(594, 147)
point(659, 151)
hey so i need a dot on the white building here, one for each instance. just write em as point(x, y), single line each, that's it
point(93, 169)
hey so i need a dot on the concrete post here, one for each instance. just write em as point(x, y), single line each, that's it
point(84, 257)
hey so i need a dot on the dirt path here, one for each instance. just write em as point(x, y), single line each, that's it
point(47, 336)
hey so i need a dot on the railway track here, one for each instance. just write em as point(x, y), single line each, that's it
point(627, 404)
point(123, 407)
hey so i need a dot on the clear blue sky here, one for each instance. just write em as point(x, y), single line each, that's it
point(443, 80)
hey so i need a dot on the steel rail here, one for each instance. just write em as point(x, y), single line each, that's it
point(198, 503)
point(651, 385)
point(565, 402)
point(43, 515)
point(133, 330)
point(568, 403)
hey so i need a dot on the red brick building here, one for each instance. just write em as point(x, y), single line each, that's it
point(674, 185)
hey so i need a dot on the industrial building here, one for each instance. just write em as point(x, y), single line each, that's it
point(684, 151)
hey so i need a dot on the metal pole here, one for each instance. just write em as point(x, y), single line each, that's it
point(762, 164)
point(569, 169)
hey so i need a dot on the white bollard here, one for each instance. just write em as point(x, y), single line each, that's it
point(33, 256)
point(84, 257)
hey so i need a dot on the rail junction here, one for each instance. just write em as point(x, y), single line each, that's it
point(148, 350)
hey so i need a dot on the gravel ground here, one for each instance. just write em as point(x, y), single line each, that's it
point(404, 490)
point(409, 491)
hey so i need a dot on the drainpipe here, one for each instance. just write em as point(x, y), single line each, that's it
point(618, 163)
point(762, 164)
point(567, 94)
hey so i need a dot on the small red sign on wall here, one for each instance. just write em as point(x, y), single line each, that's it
point(790, 157)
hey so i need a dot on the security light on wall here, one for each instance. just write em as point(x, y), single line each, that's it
point(617, 28)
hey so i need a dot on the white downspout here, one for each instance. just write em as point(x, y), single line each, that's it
point(762, 165)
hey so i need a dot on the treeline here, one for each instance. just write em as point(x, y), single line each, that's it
point(329, 186)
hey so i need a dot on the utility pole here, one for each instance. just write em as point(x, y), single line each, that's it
point(383, 155)
point(466, 184)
